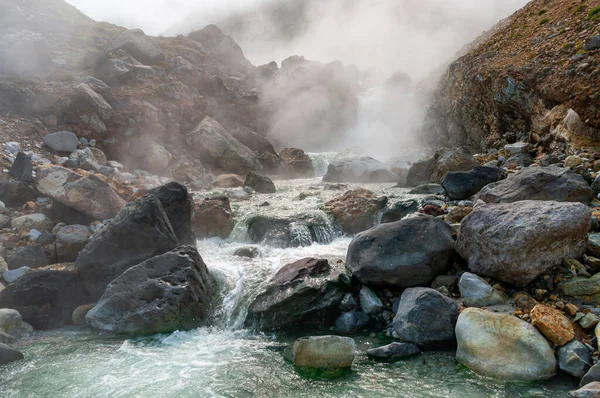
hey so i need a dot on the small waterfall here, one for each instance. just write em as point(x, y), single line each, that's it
point(321, 162)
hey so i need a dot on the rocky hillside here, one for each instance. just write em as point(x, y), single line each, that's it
point(147, 102)
point(533, 77)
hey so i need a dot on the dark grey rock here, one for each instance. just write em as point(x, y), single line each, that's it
point(394, 351)
point(593, 43)
point(369, 302)
point(70, 240)
point(574, 358)
point(61, 141)
point(428, 189)
point(16, 193)
point(178, 205)
point(406, 253)
point(427, 318)
point(140, 231)
point(520, 160)
point(173, 291)
point(351, 322)
point(260, 183)
point(32, 256)
point(115, 71)
point(348, 303)
point(249, 252)
point(22, 168)
point(461, 185)
point(8, 354)
point(304, 294)
point(539, 183)
point(592, 375)
point(256, 142)
point(399, 210)
point(591, 390)
point(140, 46)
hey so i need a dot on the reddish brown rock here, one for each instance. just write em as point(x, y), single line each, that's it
point(213, 218)
point(553, 324)
point(356, 210)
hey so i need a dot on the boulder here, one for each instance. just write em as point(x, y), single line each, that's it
point(215, 146)
point(476, 292)
point(178, 205)
point(553, 324)
point(592, 375)
point(173, 291)
point(140, 46)
point(394, 351)
point(70, 240)
point(11, 322)
point(305, 293)
point(443, 162)
point(8, 354)
point(356, 210)
point(322, 352)
point(296, 164)
point(399, 210)
point(521, 160)
point(32, 256)
point(503, 346)
point(61, 141)
point(349, 303)
point(586, 289)
point(45, 299)
point(406, 253)
point(26, 223)
point(153, 157)
point(359, 170)
point(228, 181)
point(255, 142)
point(16, 193)
point(90, 195)
point(460, 185)
point(426, 317)
point(590, 390)
point(115, 71)
point(351, 322)
point(221, 46)
point(140, 231)
point(95, 101)
point(539, 183)
point(213, 218)
point(260, 183)
point(574, 358)
point(369, 302)
point(517, 242)
point(428, 189)
point(22, 168)
point(593, 244)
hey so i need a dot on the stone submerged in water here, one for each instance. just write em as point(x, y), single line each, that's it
point(305, 293)
point(426, 317)
point(8, 354)
point(517, 242)
point(406, 253)
point(539, 183)
point(503, 346)
point(359, 170)
point(322, 352)
point(173, 291)
point(394, 351)
point(476, 292)
point(461, 185)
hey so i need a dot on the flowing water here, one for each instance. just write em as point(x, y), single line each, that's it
point(228, 360)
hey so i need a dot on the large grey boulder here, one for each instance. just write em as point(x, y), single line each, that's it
point(32, 256)
point(16, 193)
point(216, 147)
point(305, 293)
point(461, 185)
point(260, 183)
point(517, 242)
point(140, 46)
point(8, 354)
point(178, 205)
point(173, 291)
point(360, 170)
point(476, 292)
point(322, 352)
point(426, 317)
point(94, 100)
point(221, 46)
point(11, 322)
point(61, 141)
point(140, 231)
point(444, 161)
point(255, 142)
point(45, 299)
point(90, 195)
point(503, 346)
point(410, 252)
point(574, 358)
point(539, 183)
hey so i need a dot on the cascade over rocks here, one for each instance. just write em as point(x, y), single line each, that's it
point(173, 291)
point(539, 183)
point(460, 185)
point(290, 231)
point(360, 170)
point(356, 210)
point(305, 293)
point(216, 147)
point(90, 195)
point(503, 346)
point(45, 299)
point(406, 253)
point(140, 231)
point(517, 242)
point(426, 317)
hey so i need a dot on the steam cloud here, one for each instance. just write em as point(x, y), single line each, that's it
point(384, 37)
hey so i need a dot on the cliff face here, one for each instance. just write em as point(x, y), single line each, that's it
point(535, 76)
